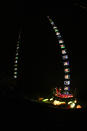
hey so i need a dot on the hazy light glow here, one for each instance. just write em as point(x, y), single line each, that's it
point(56, 30)
point(40, 99)
point(65, 57)
point(45, 100)
point(15, 76)
point(70, 102)
point(58, 103)
point(66, 82)
point(66, 88)
point(67, 76)
point(72, 105)
point(66, 63)
point(62, 46)
point(63, 52)
point(54, 27)
point(78, 106)
point(57, 33)
point(66, 70)
point(51, 99)
point(61, 41)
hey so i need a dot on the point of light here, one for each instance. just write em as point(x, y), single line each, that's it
point(51, 99)
point(66, 70)
point(54, 27)
point(67, 76)
point(62, 46)
point(64, 52)
point(65, 57)
point(66, 83)
point(72, 105)
point(15, 76)
point(16, 61)
point(66, 88)
point(75, 101)
point(66, 63)
point(56, 30)
point(61, 41)
point(57, 33)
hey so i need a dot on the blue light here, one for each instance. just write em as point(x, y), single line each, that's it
point(66, 82)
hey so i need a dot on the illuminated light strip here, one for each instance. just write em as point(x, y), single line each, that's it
point(64, 52)
point(15, 74)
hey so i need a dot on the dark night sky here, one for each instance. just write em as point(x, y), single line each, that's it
point(11, 19)
point(45, 73)
point(42, 71)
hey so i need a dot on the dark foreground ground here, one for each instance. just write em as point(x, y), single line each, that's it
point(19, 112)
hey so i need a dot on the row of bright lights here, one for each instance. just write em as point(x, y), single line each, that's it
point(15, 75)
point(71, 104)
point(64, 55)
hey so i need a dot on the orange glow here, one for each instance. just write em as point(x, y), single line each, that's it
point(78, 106)
point(40, 99)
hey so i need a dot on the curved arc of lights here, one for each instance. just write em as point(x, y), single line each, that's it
point(65, 57)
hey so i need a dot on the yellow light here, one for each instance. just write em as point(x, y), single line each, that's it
point(58, 102)
point(75, 101)
point(51, 99)
point(72, 105)
point(69, 102)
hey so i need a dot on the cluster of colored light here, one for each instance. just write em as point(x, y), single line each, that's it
point(16, 61)
point(72, 104)
point(66, 63)
point(66, 83)
point(66, 88)
point(66, 94)
point(64, 55)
